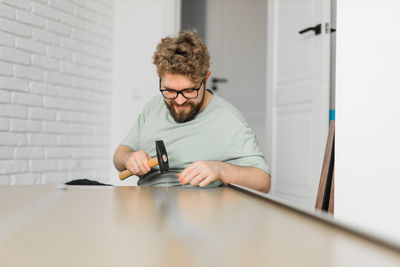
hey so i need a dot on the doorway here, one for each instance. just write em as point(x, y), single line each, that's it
point(235, 34)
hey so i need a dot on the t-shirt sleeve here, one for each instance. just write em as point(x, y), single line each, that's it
point(132, 139)
point(244, 150)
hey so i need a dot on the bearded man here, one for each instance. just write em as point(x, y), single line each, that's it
point(208, 140)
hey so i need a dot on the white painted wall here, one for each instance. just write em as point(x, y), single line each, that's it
point(55, 90)
point(367, 185)
point(139, 25)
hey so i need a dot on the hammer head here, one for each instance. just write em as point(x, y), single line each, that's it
point(162, 157)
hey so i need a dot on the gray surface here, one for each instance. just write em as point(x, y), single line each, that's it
point(193, 16)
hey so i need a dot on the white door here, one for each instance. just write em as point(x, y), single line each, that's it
point(236, 39)
point(297, 96)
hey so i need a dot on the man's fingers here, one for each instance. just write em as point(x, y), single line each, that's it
point(141, 168)
point(138, 163)
point(189, 168)
point(200, 177)
point(135, 168)
point(131, 168)
point(143, 165)
point(146, 164)
point(206, 182)
point(145, 161)
point(192, 173)
point(199, 173)
point(189, 176)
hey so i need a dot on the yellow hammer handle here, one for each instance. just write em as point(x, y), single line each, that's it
point(153, 162)
point(125, 174)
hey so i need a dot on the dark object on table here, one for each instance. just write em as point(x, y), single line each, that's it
point(85, 182)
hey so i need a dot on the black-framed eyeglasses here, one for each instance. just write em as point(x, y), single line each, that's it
point(189, 93)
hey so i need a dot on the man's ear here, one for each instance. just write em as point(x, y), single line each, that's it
point(208, 75)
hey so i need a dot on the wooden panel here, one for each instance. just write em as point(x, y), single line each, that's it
point(324, 190)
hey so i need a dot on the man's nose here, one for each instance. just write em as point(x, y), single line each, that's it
point(180, 99)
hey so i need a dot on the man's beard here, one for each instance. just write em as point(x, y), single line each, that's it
point(182, 116)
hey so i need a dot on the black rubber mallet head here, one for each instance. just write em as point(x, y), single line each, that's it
point(161, 159)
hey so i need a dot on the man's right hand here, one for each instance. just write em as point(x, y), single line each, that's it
point(138, 163)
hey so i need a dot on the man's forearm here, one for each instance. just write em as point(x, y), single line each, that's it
point(121, 155)
point(251, 177)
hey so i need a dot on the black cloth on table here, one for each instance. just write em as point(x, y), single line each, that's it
point(85, 182)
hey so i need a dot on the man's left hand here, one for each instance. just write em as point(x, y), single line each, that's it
point(201, 173)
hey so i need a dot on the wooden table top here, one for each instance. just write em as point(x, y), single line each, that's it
point(144, 226)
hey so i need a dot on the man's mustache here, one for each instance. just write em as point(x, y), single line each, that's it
point(182, 105)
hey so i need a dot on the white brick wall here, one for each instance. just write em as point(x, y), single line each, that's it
point(55, 90)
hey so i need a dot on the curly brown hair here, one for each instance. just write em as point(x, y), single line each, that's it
point(185, 54)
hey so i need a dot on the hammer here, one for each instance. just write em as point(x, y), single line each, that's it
point(161, 159)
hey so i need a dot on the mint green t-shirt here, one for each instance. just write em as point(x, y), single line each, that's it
point(218, 133)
